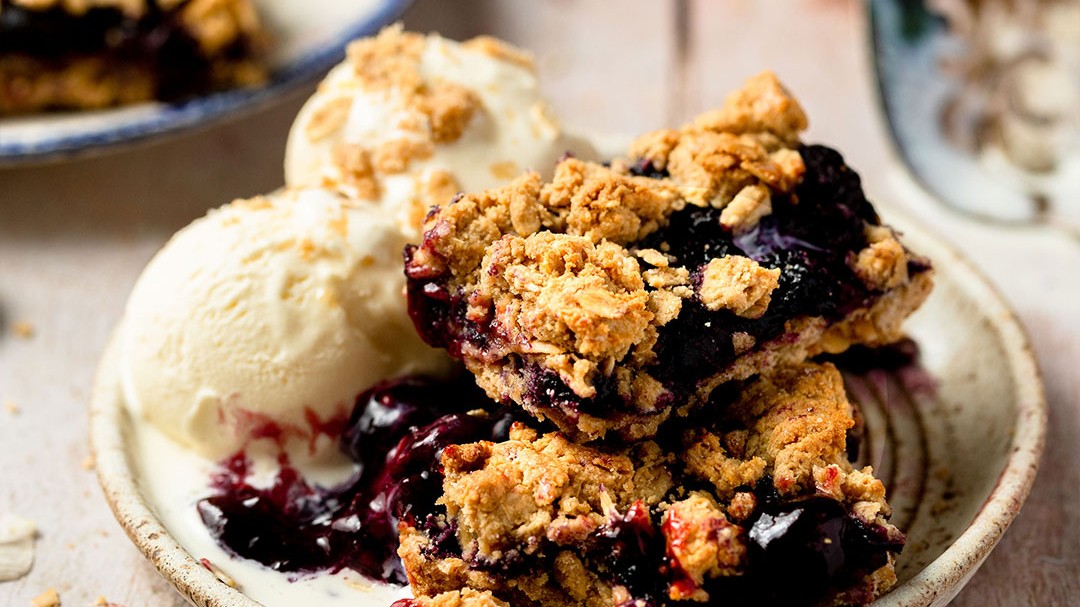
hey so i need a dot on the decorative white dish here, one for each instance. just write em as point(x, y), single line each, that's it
point(958, 448)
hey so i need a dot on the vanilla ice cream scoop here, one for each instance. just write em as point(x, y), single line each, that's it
point(408, 121)
point(266, 318)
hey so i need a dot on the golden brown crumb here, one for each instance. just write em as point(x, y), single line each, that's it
point(702, 542)
point(449, 107)
point(23, 329)
point(389, 60)
point(544, 487)
point(744, 211)
point(49, 598)
point(748, 143)
point(357, 170)
point(328, 118)
point(12, 408)
point(461, 598)
point(435, 112)
point(600, 204)
point(742, 342)
point(215, 24)
point(738, 284)
point(799, 452)
point(656, 147)
point(883, 263)
point(497, 49)
point(88, 462)
point(762, 105)
point(562, 293)
point(742, 505)
point(707, 457)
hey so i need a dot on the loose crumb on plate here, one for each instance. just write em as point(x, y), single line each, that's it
point(218, 573)
point(49, 598)
point(23, 329)
point(12, 408)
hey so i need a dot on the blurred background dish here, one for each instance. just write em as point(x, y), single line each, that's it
point(307, 39)
point(983, 102)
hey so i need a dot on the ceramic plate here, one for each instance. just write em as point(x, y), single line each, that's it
point(309, 38)
point(958, 444)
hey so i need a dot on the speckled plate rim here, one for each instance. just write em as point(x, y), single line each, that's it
point(934, 586)
point(120, 484)
point(941, 580)
point(163, 119)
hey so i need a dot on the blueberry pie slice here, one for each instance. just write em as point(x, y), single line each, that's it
point(617, 294)
point(57, 54)
point(758, 506)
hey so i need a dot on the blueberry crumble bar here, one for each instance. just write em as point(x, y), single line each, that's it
point(613, 295)
point(57, 54)
point(711, 514)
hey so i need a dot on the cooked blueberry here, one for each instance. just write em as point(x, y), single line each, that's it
point(632, 549)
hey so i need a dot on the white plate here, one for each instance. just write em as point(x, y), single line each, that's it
point(959, 456)
point(309, 37)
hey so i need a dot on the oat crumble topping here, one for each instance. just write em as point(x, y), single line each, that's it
point(738, 284)
point(433, 113)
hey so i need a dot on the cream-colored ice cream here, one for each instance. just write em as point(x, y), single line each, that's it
point(408, 120)
point(269, 316)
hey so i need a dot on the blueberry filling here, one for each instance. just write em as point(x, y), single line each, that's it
point(822, 550)
point(396, 435)
point(632, 548)
point(862, 360)
point(156, 40)
point(645, 168)
point(809, 236)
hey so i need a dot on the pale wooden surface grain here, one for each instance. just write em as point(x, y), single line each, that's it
point(74, 236)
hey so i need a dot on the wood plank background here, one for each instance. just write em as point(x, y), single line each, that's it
point(74, 236)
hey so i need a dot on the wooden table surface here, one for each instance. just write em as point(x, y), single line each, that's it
point(74, 236)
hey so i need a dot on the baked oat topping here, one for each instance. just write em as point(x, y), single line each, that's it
point(738, 284)
point(430, 111)
point(744, 211)
point(454, 598)
point(749, 142)
point(497, 49)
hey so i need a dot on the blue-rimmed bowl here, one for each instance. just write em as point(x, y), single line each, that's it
point(309, 38)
